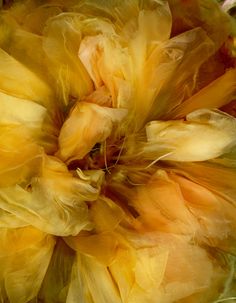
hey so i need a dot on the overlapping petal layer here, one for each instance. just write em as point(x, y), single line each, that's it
point(117, 160)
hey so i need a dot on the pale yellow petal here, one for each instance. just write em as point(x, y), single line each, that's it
point(205, 135)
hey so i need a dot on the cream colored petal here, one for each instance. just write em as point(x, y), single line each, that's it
point(204, 135)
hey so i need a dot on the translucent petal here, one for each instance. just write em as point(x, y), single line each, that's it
point(8, 220)
point(187, 52)
point(25, 256)
point(144, 273)
point(214, 214)
point(30, 116)
point(16, 79)
point(158, 214)
point(205, 135)
point(210, 96)
point(21, 111)
point(87, 125)
point(21, 158)
point(61, 42)
point(57, 280)
point(217, 176)
point(118, 11)
point(54, 203)
point(189, 14)
point(123, 63)
point(102, 247)
point(88, 286)
point(21, 45)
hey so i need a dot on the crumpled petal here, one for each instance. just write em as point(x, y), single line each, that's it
point(61, 44)
point(87, 125)
point(204, 135)
point(54, 201)
point(144, 64)
point(143, 269)
point(143, 205)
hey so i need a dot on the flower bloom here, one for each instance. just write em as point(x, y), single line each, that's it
point(117, 151)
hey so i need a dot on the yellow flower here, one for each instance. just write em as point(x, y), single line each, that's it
point(117, 151)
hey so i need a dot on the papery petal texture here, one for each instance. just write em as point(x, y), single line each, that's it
point(117, 151)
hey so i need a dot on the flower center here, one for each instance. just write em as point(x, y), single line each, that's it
point(103, 156)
